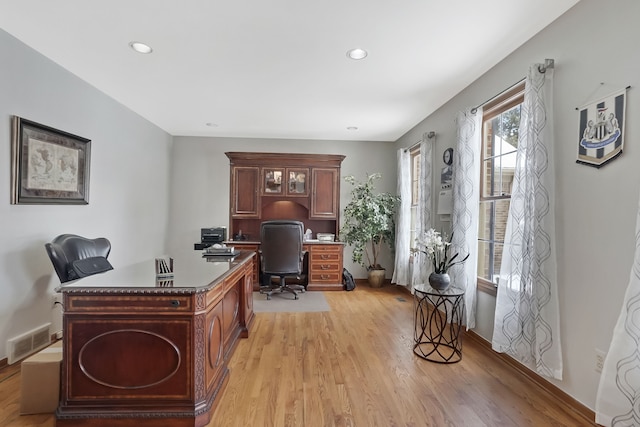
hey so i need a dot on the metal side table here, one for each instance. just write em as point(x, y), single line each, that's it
point(437, 323)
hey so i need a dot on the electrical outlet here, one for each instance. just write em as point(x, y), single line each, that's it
point(600, 356)
point(56, 299)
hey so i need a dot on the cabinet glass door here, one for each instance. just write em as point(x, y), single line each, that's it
point(272, 180)
point(297, 182)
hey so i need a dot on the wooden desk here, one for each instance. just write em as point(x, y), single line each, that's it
point(136, 354)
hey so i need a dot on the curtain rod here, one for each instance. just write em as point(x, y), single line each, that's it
point(429, 135)
point(475, 109)
point(548, 64)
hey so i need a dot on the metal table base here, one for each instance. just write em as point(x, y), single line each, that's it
point(438, 321)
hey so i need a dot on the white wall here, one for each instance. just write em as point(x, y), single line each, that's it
point(201, 180)
point(592, 43)
point(129, 182)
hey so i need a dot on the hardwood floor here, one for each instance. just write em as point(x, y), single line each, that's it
point(354, 366)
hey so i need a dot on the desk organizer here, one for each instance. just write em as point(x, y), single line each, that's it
point(164, 270)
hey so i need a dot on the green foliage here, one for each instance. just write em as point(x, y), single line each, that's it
point(507, 126)
point(369, 221)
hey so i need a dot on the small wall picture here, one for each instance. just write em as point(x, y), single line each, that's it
point(446, 174)
point(601, 130)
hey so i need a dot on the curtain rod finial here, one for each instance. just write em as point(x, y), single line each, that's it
point(548, 65)
point(431, 134)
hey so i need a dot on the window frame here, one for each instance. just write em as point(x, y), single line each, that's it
point(510, 98)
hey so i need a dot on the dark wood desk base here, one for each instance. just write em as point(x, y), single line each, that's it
point(151, 357)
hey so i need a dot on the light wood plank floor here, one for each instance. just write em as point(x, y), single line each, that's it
point(354, 366)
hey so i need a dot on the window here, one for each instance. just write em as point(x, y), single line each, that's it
point(500, 125)
point(415, 186)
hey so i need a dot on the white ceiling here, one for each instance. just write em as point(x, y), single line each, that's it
point(278, 68)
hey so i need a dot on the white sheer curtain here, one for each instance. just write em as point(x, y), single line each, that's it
point(401, 272)
point(618, 399)
point(421, 266)
point(466, 199)
point(526, 317)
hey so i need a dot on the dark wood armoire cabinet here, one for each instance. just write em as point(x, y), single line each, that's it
point(283, 185)
point(305, 187)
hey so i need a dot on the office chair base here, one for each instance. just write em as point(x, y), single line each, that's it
point(268, 291)
point(282, 287)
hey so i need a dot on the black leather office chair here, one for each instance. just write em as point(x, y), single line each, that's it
point(281, 254)
point(75, 256)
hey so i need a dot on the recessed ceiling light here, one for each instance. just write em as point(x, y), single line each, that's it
point(352, 128)
point(357, 53)
point(140, 47)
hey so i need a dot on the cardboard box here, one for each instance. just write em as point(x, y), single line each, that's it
point(40, 380)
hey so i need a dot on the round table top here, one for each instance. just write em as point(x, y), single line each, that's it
point(425, 288)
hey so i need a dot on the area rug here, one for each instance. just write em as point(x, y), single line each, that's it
point(285, 303)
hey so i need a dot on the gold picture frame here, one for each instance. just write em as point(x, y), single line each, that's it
point(49, 166)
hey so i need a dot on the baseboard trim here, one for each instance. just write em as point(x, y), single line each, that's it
point(587, 414)
point(365, 282)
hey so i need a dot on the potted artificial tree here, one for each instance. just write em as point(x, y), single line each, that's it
point(369, 222)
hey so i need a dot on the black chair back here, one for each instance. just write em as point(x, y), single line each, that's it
point(67, 248)
point(281, 247)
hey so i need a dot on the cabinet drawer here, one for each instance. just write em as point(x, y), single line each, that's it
point(325, 277)
point(320, 267)
point(325, 256)
point(326, 248)
point(130, 304)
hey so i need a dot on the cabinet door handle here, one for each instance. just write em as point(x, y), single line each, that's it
point(325, 267)
point(324, 276)
point(325, 256)
point(175, 303)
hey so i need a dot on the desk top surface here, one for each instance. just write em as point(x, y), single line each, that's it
point(304, 242)
point(193, 273)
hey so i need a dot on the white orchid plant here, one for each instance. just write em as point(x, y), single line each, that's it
point(436, 249)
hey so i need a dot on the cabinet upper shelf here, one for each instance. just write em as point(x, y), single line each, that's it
point(284, 159)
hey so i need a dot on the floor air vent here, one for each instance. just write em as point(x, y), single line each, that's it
point(22, 346)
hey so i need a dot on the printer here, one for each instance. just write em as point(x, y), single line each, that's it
point(211, 236)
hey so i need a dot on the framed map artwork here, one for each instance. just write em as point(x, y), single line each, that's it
point(48, 166)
